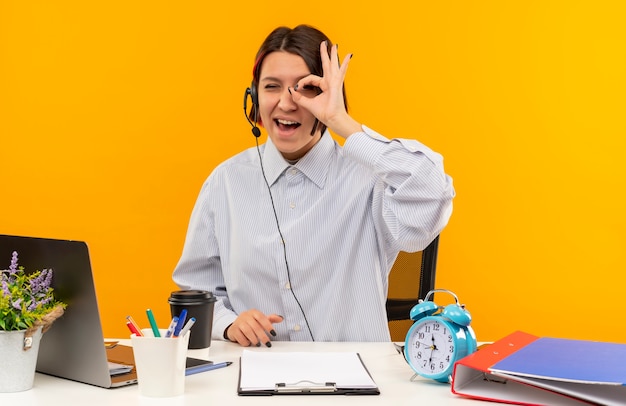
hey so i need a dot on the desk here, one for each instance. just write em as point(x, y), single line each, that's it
point(219, 387)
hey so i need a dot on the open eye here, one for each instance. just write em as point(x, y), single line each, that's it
point(310, 91)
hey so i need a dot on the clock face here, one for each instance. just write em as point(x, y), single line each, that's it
point(430, 348)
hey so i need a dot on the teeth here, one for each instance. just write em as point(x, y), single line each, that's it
point(286, 122)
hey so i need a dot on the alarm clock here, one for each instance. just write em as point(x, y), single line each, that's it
point(439, 337)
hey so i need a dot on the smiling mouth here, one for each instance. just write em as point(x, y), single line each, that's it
point(286, 124)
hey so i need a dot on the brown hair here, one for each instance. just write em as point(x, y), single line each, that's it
point(304, 41)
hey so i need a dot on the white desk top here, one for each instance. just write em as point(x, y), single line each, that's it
point(219, 387)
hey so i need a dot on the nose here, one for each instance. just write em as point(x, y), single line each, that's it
point(286, 102)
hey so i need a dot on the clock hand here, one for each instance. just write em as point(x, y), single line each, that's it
point(425, 344)
point(431, 346)
point(434, 346)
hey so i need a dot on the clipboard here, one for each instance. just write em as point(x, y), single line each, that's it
point(275, 373)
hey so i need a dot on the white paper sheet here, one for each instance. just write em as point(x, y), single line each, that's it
point(264, 370)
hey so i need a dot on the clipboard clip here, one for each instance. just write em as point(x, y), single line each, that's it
point(306, 387)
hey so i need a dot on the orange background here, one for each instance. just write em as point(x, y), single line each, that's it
point(113, 113)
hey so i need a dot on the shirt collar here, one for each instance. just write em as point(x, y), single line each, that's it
point(315, 164)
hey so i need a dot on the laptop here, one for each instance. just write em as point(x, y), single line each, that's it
point(73, 348)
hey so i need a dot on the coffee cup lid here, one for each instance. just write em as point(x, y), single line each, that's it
point(191, 296)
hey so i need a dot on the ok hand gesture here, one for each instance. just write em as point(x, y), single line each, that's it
point(327, 105)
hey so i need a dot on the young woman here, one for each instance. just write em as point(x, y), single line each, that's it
point(296, 237)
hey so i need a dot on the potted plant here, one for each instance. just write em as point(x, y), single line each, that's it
point(27, 310)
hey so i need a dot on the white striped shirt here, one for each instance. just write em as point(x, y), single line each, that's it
point(344, 213)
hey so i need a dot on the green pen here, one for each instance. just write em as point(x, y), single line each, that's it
point(153, 324)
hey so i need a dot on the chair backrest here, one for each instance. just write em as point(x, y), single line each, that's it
point(412, 277)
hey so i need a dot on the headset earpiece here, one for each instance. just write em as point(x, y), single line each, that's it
point(251, 91)
point(254, 95)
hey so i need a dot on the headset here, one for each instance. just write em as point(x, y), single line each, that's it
point(252, 92)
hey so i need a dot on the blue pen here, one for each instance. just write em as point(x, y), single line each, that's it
point(205, 367)
point(181, 322)
point(170, 329)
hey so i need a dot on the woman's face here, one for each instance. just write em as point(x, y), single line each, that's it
point(288, 125)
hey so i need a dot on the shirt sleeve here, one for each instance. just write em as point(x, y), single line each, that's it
point(199, 266)
point(412, 199)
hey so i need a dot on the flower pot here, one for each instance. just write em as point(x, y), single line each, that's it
point(19, 360)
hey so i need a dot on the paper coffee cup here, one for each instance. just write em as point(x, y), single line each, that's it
point(199, 304)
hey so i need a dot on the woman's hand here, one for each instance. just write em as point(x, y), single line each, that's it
point(327, 105)
point(252, 328)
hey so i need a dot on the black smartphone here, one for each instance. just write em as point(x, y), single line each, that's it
point(195, 365)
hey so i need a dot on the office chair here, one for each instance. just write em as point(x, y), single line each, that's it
point(404, 292)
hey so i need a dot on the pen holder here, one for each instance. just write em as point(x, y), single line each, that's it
point(160, 363)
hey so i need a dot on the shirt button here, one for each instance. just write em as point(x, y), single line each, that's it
point(292, 205)
point(297, 327)
point(287, 285)
point(294, 171)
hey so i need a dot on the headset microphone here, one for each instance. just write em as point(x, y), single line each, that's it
point(251, 91)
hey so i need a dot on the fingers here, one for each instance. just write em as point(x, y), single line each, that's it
point(330, 65)
point(323, 95)
point(326, 60)
point(344, 65)
point(332, 74)
point(252, 328)
point(275, 318)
